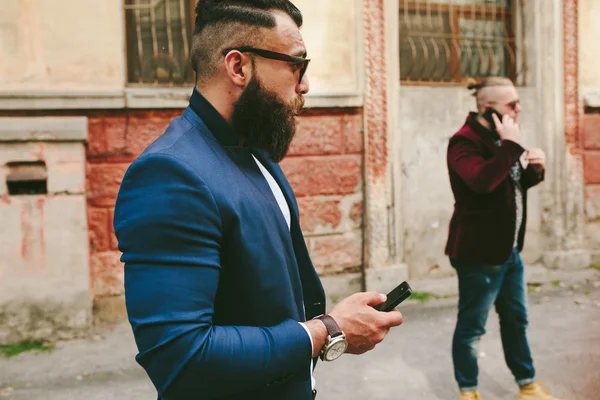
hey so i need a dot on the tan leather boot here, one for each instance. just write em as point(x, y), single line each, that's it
point(534, 391)
point(470, 395)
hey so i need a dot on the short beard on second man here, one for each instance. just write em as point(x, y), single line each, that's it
point(264, 120)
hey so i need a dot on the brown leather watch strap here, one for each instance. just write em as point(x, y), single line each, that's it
point(332, 327)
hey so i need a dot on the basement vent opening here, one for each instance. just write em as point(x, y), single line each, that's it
point(27, 178)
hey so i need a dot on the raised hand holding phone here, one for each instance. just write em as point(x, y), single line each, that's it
point(487, 115)
point(508, 129)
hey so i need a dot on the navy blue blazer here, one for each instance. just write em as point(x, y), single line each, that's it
point(215, 283)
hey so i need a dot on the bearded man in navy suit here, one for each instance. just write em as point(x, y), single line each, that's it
point(220, 290)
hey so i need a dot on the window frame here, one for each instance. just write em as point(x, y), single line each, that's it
point(131, 57)
point(472, 12)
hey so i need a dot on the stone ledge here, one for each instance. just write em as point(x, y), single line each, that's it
point(109, 311)
point(534, 275)
point(573, 277)
point(46, 129)
point(61, 100)
point(45, 319)
point(595, 257)
point(140, 98)
point(157, 97)
point(591, 97)
point(338, 287)
point(442, 287)
point(384, 279)
point(334, 101)
point(567, 259)
point(179, 98)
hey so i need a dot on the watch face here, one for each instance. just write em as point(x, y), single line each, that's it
point(336, 349)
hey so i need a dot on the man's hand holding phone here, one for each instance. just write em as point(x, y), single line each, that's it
point(508, 129)
point(364, 318)
point(364, 326)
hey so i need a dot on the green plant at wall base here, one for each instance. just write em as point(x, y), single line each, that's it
point(423, 296)
point(595, 266)
point(11, 350)
point(555, 283)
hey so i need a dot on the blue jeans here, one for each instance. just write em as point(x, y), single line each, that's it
point(479, 287)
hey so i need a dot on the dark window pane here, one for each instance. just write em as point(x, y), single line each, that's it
point(158, 38)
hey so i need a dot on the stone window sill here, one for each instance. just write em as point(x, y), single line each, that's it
point(591, 97)
point(139, 98)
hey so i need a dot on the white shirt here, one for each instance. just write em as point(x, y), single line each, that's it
point(285, 210)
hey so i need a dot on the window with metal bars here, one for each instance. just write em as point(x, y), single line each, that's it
point(446, 41)
point(158, 36)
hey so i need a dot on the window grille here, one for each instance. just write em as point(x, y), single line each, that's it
point(158, 36)
point(446, 41)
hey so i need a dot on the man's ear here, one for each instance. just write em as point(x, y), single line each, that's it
point(238, 68)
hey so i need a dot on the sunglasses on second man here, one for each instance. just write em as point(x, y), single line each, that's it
point(272, 55)
point(512, 105)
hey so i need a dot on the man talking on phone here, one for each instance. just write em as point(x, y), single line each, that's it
point(221, 293)
point(490, 173)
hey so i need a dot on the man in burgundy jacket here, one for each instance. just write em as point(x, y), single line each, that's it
point(490, 173)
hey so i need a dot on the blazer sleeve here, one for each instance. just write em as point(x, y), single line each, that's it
point(481, 175)
point(169, 230)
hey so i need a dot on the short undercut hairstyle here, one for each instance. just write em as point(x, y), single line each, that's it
point(491, 81)
point(222, 24)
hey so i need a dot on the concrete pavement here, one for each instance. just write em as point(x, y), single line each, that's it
point(413, 362)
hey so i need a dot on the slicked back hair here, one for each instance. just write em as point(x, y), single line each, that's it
point(222, 24)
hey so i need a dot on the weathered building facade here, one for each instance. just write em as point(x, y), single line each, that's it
point(85, 86)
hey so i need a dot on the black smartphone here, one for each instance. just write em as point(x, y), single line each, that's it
point(488, 116)
point(395, 297)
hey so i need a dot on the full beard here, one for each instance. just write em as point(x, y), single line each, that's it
point(264, 120)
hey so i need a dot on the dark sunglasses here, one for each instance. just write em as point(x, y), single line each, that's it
point(272, 55)
point(512, 105)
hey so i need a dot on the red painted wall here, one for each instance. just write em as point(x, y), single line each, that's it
point(324, 167)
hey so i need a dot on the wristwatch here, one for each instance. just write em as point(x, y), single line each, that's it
point(336, 343)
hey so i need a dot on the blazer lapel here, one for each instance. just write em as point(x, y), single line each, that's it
point(279, 177)
point(301, 271)
point(300, 267)
point(314, 295)
point(242, 156)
